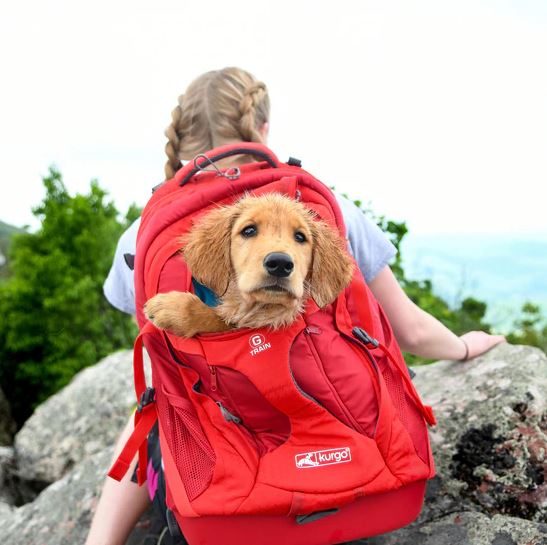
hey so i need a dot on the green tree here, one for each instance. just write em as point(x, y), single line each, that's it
point(6, 234)
point(54, 319)
point(530, 328)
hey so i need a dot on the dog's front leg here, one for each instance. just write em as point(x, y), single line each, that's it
point(183, 314)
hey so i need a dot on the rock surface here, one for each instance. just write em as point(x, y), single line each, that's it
point(7, 461)
point(79, 421)
point(466, 528)
point(489, 446)
point(62, 513)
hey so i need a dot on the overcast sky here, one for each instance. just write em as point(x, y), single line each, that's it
point(434, 111)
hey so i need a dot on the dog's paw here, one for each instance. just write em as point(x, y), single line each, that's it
point(173, 311)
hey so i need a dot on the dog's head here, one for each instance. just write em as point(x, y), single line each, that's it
point(272, 249)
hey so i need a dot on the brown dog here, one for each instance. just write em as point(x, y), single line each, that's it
point(264, 256)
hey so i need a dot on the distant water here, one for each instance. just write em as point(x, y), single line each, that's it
point(504, 271)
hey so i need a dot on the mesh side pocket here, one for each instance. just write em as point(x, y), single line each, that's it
point(407, 411)
point(192, 453)
point(396, 390)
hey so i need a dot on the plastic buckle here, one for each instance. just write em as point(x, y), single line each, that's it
point(294, 162)
point(363, 336)
point(147, 397)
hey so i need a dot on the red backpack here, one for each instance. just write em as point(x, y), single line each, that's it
point(313, 434)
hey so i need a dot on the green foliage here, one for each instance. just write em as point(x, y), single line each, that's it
point(54, 317)
point(6, 234)
point(530, 327)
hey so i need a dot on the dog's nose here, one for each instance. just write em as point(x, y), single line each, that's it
point(278, 264)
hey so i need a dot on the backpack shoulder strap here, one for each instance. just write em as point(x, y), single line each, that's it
point(145, 417)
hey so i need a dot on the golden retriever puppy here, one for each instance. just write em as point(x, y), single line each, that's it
point(263, 256)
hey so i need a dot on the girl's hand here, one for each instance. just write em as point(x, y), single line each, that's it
point(479, 342)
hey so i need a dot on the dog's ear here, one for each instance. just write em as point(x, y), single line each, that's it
point(332, 268)
point(207, 249)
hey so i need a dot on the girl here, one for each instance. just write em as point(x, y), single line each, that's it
point(227, 106)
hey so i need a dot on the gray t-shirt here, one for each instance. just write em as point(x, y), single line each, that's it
point(367, 243)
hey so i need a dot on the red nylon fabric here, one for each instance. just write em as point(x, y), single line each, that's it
point(313, 393)
point(144, 419)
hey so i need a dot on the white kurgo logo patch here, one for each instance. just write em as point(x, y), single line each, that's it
point(258, 343)
point(323, 457)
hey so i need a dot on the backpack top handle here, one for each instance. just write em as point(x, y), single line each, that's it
point(241, 148)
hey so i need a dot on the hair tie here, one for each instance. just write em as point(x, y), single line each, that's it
point(466, 357)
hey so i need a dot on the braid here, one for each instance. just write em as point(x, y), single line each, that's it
point(217, 108)
point(172, 148)
point(252, 97)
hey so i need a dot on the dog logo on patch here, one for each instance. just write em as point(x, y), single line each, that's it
point(258, 343)
point(323, 457)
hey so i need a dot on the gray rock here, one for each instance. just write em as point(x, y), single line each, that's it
point(466, 528)
point(62, 513)
point(6, 467)
point(490, 444)
point(5, 511)
point(79, 421)
point(7, 424)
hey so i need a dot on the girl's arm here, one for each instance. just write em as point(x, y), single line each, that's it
point(420, 333)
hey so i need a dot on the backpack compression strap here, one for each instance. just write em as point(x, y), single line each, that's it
point(145, 417)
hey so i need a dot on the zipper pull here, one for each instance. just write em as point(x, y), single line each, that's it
point(214, 384)
point(228, 416)
point(364, 337)
point(313, 329)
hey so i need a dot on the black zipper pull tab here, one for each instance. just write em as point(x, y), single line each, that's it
point(214, 383)
point(364, 337)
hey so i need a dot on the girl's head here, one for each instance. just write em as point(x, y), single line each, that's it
point(219, 107)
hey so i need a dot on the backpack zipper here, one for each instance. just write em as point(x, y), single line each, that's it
point(299, 388)
point(314, 330)
point(362, 338)
point(214, 383)
point(360, 341)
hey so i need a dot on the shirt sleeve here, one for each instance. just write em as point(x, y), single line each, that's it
point(119, 288)
point(367, 243)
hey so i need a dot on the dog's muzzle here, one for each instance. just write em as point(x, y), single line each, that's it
point(278, 264)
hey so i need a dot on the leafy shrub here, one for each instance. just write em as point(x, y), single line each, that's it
point(54, 319)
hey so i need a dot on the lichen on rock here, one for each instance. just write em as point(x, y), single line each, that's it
point(491, 439)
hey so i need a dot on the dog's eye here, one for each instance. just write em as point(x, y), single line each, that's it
point(300, 237)
point(249, 231)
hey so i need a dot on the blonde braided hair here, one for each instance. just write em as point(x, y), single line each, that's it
point(173, 143)
point(219, 107)
point(251, 100)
